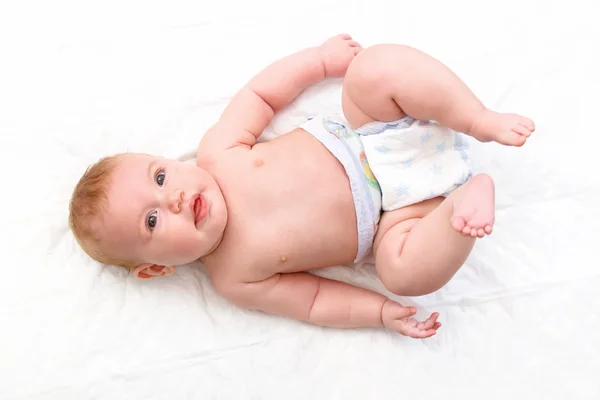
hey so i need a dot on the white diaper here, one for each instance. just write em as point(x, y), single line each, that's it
point(414, 160)
point(392, 165)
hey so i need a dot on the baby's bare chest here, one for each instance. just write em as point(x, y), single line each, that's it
point(290, 207)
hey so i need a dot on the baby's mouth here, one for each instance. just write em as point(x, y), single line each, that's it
point(199, 208)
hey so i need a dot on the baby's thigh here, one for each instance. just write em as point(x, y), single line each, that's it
point(403, 219)
point(368, 90)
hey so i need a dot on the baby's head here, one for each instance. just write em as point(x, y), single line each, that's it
point(146, 213)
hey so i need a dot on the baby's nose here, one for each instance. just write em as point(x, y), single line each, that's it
point(175, 201)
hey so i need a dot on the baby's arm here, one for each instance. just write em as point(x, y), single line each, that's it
point(253, 107)
point(327, 302)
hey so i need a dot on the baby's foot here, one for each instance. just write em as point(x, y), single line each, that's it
point(508, 129)
point(474, 207)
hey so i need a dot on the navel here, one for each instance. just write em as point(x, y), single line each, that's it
point(259, 162)
point(282, 259)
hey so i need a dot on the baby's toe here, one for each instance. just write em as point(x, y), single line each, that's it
point(521, 130)
point(513, 138)
point(457, 223)
point(527, 123)
point(473, 232)
point(480, 233)
point(488, 229)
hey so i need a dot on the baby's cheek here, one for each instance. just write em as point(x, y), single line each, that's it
point(184, 246)
point(183, 242)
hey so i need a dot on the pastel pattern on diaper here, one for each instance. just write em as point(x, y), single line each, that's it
point(414, 160)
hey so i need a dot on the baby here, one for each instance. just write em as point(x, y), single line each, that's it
point(389, 177)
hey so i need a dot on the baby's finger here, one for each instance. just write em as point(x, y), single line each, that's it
point(353, 43)
point(356, 50)
point(437, 325)
point(429, 333)
point(428, 324)
point(421, 334)
point(344, 36)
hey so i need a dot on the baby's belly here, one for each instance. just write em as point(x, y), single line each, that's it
point(302, 207)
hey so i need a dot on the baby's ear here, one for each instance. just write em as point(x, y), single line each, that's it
point(149, 271)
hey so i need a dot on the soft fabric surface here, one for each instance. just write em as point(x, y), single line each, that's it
point(79, 81)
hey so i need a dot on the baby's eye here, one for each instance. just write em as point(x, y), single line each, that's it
point(151, 221)
point(160, 178)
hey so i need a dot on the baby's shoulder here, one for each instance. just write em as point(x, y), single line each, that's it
point(217, 141)
point(231, 269)
point(207, 155)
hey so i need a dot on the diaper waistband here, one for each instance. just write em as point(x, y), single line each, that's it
point(367, 198)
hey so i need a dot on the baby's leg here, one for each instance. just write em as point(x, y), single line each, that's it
point(418, 250)
point(386, 82)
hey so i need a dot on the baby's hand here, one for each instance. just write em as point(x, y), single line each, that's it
point(399, 318)
point(337, 53)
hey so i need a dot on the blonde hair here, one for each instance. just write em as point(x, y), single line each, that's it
point(87, 207)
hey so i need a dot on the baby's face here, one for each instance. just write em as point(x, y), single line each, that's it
point(162, 211)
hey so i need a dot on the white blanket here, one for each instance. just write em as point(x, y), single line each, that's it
point(79, 81)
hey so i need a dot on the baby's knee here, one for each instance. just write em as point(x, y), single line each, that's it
point(404, 281)
point(369, 69)
point(379, 62)
point(402, 272)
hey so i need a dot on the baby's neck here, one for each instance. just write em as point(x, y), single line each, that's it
point(212, 250)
